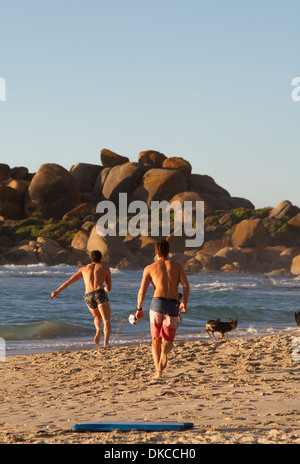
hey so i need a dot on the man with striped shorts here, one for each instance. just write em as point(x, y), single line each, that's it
point(165, 276)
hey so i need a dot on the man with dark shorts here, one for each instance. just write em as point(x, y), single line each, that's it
point(165, 276)
point(95, 275)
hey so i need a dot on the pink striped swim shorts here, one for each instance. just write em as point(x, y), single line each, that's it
point(163, 325)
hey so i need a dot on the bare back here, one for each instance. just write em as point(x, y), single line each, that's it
point(95, 276)
point(165, 277)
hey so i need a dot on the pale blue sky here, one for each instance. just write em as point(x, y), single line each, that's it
point(208, 80)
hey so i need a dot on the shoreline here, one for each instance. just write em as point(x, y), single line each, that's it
point(87, 343)
point(243, 390)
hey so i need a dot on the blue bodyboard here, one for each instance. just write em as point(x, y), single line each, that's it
point(126, 426)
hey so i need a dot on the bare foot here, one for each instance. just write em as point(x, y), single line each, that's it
point(97, 337)
point(163, 361)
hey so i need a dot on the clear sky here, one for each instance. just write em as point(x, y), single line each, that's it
point(207, 80)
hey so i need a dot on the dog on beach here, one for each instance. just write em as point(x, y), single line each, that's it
point(218, 326)
point(297, 317)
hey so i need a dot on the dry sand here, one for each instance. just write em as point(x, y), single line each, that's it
point(234, 391)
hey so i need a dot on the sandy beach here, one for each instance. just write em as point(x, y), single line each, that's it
point(235, 391)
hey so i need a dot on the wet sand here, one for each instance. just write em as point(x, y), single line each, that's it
point(235, 391)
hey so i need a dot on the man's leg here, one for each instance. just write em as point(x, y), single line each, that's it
point(156, 352)
point(97, 322)
point(169, 327)
point(165, 350)
point(105, 312)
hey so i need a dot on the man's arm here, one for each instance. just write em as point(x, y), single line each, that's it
point(142, 291)
point(107, 287)
point(186, 290)
point(66, 284)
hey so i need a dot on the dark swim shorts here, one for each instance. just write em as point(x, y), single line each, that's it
point(164, 317)
point(95, 298)
point(168, 306)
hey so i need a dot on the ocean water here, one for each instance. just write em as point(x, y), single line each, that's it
point(31, 322)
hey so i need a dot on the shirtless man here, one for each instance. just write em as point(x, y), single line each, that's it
point(94, 275)
point(165, 276)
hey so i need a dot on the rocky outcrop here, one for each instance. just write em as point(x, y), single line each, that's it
point(85, 175)
point(123, 178)
point(110, 159)
point(206, 184)
point(249, 233)
point(11, 202)
point(160, 184)
point(19, 173)
point(295, 267)
point(151, 158)
point(112, 248)
point(80, 212)
point(294, 223)
point(99, 182)
point(52, 193)
point(4, 171)
point(187, 196)
point(80, 240)
point(285, 208)
point(178, 163)
point(61, 209)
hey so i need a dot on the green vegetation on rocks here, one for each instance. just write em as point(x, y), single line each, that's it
point(32, 228)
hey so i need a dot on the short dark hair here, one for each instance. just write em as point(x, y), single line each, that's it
point(96, 256)
point(162, 248)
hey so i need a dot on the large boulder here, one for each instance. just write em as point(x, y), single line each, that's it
point(192, 197)
point(80, 240)
point(294, 223)
point(287, 255)
point(22, 254)
point(187, 196)
point(160, 184)
point(270, 253)
point(20, 185)
point(110, 159)
point(206, 184)
point(215, 202)
point(112, 247)
point(249, 233)
point(285, 208)
point(229, 255)
point(19, 173)
point(85, 175)
point(123, 178)
point(52, 193)
point(238, 202)
point(295, 267)
point(99, 182)
point(175, 162)
point(47, 250)
point(11, 202)
point(207, 261)
point(80, 212)
point(151, 158)
point(4, 171)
